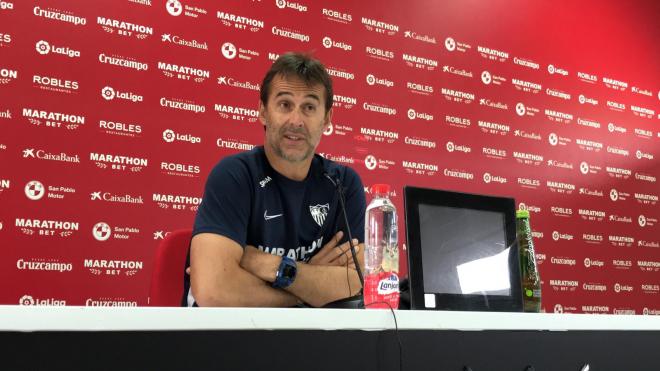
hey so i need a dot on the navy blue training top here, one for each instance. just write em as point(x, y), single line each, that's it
point(246, 200)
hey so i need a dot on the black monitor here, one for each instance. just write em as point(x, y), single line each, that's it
point(462, 251)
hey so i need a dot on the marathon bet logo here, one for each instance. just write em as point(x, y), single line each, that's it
point(492, 54)
point(177, 169)
point(644, 134)
point(646, 199)
point(379, 108)
point(328, 43)
point(374, 80)
point(588, 123)
point(419, 62)
point(488, 78)
point(643, 155)
point(494, 128)
point(178, 40)
point(457, 96)
point(554, 70)
point(108, 161)
point(236, 113)
point(110, 93)
point(377, 135)
point(419, 37)
point(290, 34)
point(55, 14)
point(183, 72)
point(419, 168)
point(340, 73)
point(284, 4)
point(337, 16)
point(494, 153)
point(583, 99)
point(559, 117)
point(488, 178)
point(458, 122)
point(5, 39)
point(587, 77)
point(170, 136)
point(560, 187)
point(452, 44)
point(493, 104)
point(457, 71)
point(595, 309)
point(592, 215)
point(621, 241)
point(618, 173)
point(53, 119)
point(176, 202)
point(113, 267)
point(28, 300)
point(648, 265)
point(530, 183)
point(527, 134)
point(642, 112)
point(526, 63)
point(615, 84)
point(175, 8)
point(234, 83)
point(452, 147)
point(564, 285)
point(43, 227)
point(43, 47)
point(126, 62)
point(640, 91)
point(182, 104)
point(341, 101)
point(592, 238)
point(46, 155)
point(616, 106)
point(380, 27)
point(231, 51)
point(123, 198)
point(4, 184)
point(589, 145)
point(525, 110)
point(119, 128)
point(240, 145)
point(377, 53)
point(412, 115)
point(54, 84)
point(526, 86)
point(525, 158)
point(419, 142)
point(123, 28)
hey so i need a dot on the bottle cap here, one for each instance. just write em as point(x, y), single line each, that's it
point(522, 214)
point(380, 189)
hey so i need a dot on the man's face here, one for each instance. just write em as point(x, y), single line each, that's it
point(294, 117)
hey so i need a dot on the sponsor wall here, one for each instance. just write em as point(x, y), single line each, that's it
point(112, 113)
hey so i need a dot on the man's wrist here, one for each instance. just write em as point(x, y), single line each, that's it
point(261, 264)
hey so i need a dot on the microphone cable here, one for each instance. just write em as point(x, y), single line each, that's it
point(396, 330)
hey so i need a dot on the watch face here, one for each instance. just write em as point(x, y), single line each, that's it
point(289, 271)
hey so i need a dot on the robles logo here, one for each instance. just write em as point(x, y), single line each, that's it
point(175, 169)
point(55, 84)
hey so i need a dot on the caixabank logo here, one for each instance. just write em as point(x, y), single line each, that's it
point(42, 154)
point(239, 84)
point(55, 84)
point(35, 190)
point(462, 72)
point(64, 16)
point(527, 134)
point(102, 231)
point(46, 227)
point(236, 113)
point(99, 267)
point(380, 27)
point(29, 300)
point(175, 39)
point(44, 47)
point(342, 159)
point(410, 34)
point(116, 198)
point(113, 127)
point(113, 162)
point(53, 119)
point(124, 28)
point(185, 73)
point(168, 201)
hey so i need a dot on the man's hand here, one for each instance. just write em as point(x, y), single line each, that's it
point(336, 255)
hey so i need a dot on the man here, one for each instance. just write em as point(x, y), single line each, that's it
point(269, 230)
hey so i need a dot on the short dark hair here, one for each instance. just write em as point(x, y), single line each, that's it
point(301, 66)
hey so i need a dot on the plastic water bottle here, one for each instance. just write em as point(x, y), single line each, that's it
point(381, 256)
point(529, 273)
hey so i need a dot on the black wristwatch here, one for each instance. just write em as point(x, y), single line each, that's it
point(286, 273)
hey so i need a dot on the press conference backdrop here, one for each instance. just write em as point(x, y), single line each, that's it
point(112, 113)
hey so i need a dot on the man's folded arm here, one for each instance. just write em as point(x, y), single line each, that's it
point(217, 279)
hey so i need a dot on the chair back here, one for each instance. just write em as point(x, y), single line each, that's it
point(166, 286)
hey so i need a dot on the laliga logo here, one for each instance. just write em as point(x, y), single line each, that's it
point(487, 177)
point(327, 42)
point(450, 147)
point(582, 99)
point(26, 300)
point(450, 44)
point(174, 7)
point(584, 168)
point(553, 139)
point(587, 262)
point(280, 4)
point(614, 195)
point(555, 235)
point(411, 114)
point(551, 69)
point(486, 78)
point(371, 79)
point(520, 109)
point(558, 308)
point(34, 190)
point(617, 287)
point(370, 162)
point(168, 136)
point(522, 206)
point(43, 47)
point(328, 130)
point(388, 285)
point(108, 93)
point(228, 50)
point(101, 231)
point(641, 220)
